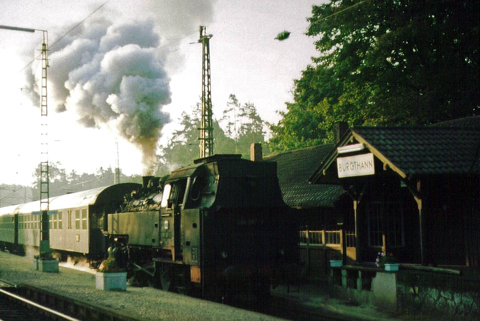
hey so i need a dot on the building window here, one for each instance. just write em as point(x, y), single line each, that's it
point(385, 219)
point(394, 215)
point(375, 230)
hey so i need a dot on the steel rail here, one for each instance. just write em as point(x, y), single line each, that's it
point(48, 310)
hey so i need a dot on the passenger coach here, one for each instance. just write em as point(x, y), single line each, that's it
point(77, 224)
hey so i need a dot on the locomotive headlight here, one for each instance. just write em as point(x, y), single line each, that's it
point(165, 225)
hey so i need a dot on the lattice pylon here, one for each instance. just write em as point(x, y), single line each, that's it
point(206, 124)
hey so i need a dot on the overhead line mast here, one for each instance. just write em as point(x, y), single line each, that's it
point(44, 166)
point(44, 185)
point(206, 124)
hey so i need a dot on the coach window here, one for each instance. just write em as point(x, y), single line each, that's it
point(60, 220)
point(69, 220)
point(77, 219)
point(84, 219)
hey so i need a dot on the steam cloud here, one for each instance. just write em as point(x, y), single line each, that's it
point(112, 75)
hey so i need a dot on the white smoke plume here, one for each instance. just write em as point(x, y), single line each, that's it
point(112, 75)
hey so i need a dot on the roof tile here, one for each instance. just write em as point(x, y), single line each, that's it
point(293, 170)
point(426, 150)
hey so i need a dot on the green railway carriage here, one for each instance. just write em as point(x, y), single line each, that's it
point(77, 221)
point(8, 227)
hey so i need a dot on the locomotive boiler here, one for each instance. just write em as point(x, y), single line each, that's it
point(215, 228)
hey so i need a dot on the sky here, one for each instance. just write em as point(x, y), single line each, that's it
point(122, 72)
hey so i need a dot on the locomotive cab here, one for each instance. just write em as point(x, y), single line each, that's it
point(222, 227)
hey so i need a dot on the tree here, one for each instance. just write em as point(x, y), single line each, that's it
point(392, 62)
point(242, 124)
point(57, 180)
point(60, 183)
point(184, 147)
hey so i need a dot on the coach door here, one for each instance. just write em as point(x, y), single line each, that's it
point(176, 197)
point(81, 230)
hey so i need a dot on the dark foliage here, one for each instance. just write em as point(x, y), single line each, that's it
point(392, 62)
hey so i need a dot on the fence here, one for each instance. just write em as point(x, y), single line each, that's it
point(320, 238)
point(314, 247)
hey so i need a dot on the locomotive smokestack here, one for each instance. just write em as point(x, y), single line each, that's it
point(256, 152)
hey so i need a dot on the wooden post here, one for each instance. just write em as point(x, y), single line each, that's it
point(357, 239)
point(307, 250)
point(343, 247)
point(384, 243)
point(418, 196)
point(419, 200)
point(421, 227)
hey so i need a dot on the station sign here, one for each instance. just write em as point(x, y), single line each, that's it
point(358, 165)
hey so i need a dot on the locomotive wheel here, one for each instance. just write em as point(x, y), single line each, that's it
point(139, 279)
point(166, 279)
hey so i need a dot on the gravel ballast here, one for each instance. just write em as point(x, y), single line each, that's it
point(146, 303)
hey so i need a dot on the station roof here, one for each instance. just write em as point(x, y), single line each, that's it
point(293, 170)
point(447, 148)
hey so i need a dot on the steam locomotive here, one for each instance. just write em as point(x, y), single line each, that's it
point(212, 229)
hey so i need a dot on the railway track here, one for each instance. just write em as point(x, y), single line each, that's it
point(16, 308)
point(20, 303)
point(13, 311)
